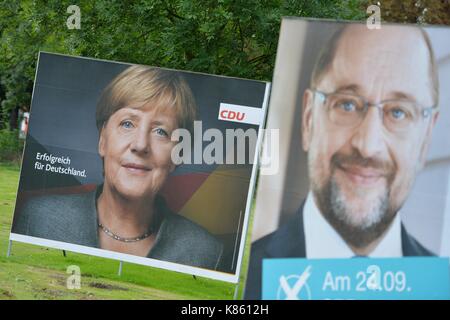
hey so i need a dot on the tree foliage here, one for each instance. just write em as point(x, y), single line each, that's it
point(227, 37)
point(416, 11)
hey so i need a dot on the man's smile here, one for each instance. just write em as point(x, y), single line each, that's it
point(362, 176)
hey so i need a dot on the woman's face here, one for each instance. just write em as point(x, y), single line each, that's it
point(136, 148)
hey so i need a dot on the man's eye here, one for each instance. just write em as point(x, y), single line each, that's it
point(161, 132)
point(397, 114)
point(347, 106)
point(127, 124)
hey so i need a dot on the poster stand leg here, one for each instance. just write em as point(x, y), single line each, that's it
point(236, 291)
point(8, 253)
point(120, 269)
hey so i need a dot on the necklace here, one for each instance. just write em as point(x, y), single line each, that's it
point(122, 239)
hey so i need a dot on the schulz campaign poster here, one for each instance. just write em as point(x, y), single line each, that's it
point(359, 208)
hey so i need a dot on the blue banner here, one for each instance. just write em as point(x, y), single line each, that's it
point(358, 278)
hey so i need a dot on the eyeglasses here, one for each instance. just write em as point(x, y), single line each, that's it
point(349, 110)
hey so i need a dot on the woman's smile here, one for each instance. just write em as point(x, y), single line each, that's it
point(136, 168)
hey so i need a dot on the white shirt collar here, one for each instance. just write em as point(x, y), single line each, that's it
point(322, 241)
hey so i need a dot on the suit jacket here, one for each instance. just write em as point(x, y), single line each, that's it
point(289, 242)
point(73, 219)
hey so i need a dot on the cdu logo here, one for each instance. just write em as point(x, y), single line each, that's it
point(243, 114)
point(295, 287)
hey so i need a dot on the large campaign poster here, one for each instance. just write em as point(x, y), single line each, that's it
point(359, 205)
point(141, 164)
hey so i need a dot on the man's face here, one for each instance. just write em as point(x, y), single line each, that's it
point(361, 175)
point(136, 148)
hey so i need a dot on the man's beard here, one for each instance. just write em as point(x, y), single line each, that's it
point(360, 230)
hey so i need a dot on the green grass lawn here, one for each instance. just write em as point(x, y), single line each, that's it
point(33, 272)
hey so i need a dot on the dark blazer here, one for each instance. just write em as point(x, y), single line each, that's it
point(289, 242)
point(73, 219)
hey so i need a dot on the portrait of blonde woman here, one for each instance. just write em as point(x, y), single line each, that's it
point(136, 115)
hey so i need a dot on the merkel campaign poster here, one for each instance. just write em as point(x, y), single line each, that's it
point(140, 164)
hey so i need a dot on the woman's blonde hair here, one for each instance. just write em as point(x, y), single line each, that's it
point(140, 85)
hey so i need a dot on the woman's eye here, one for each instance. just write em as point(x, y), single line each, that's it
point(126, 124)
point(161, 132)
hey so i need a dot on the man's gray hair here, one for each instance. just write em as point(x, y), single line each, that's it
point(328, 52)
